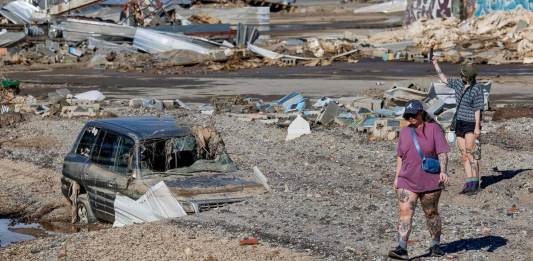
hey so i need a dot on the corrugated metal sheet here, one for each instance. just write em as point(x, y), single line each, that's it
point(9, 38)
point(25, 12)
point(11, 17)
point(80, 30)
point(152, 41)
point(101, 44)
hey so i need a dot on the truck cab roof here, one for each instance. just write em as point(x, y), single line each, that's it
point(143, 128)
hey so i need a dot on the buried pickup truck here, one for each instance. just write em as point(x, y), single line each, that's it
point(130, 155)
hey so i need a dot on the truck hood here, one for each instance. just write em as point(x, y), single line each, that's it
point(209, 186)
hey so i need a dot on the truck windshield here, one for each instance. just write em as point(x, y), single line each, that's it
point(161, 155)
point(202, 151)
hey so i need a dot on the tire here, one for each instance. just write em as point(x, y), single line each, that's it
point(84, 211)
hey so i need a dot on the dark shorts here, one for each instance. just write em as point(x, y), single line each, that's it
point(464, 127)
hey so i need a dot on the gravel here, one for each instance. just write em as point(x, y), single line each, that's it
point(331, 197)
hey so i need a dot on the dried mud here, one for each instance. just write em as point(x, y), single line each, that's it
point(332, 197)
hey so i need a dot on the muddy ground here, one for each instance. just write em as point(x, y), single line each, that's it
point(332, 198)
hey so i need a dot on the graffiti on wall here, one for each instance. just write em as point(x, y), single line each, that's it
point(417, 9)
point(487, 6)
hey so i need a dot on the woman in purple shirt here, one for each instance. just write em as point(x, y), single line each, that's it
point(412, 182)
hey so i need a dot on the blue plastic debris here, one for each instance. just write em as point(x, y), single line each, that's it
point(292, 102)
point(398, 110)
point(322, 102)
point(346, 115)
point(369, 122)
point(384, 112)
point(75, 51)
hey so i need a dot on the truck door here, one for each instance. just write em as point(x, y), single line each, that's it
point(100, 177)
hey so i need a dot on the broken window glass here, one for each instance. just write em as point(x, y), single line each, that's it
point(161, 155)
point(103, 153)
point(87, 141)
point(124, 155)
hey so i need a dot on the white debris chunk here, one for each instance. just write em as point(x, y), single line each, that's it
point(91, 96)
point(297, 128)
point(261, 178)
point(156, 204)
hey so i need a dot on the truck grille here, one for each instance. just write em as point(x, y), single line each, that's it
point(206, 206)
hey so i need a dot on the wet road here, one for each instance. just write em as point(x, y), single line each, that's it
point(338, 79)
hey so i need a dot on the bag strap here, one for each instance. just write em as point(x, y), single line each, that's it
point(459, 103)
point(415, 141)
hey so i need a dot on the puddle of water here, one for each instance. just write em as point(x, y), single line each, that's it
point(11, 232)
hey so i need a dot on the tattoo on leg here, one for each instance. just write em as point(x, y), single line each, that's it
point(412, 205)
point(403, 196)
point(434, 225)
point(430, 204)
point(443, 160)
point(404, 229)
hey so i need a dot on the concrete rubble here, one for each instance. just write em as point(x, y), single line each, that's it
point(106, 37)
point(495, 38)
point(235, 37)
point(320, 140)
point(380, 118)
point(57, 103)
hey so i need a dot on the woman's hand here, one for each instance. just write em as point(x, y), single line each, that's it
point(477, 132)
point(443, 179)
point(396, 183)
point(434, 60)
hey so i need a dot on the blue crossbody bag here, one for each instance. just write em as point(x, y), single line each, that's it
point(429, 165)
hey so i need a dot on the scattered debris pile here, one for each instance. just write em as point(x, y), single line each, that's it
point(57, 103)
point(131, 36)
point(502, 37)
point(380, 117)
point(495, 38)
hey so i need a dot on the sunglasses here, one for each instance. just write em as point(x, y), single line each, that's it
point(409, 116)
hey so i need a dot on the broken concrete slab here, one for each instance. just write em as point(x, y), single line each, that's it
point(80, 111)
point(434, 106)
point(385, 129)
point(356, 103)
point(447, 95)
point(445, 118)
point(400, 95)
point(147, 103)
point(328, 114)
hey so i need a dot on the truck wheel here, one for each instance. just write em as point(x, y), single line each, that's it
point(84, 211)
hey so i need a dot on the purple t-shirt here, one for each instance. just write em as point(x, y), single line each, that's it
point(432, 141)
